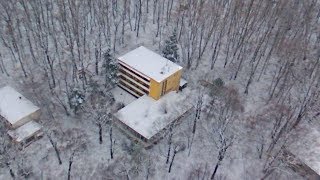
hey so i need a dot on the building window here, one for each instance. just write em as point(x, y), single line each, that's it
point(164, 87)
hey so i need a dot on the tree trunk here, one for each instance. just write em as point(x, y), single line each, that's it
point(2, 67)
point(215, 171)
point(139, 17)
point(147, 7)
point(158, 19)
point(54, 145)
point(111, 143)
point(191, 143)
point(10, 170)
point(174, 155)
point(100, 133)
point(70, 164)
point(124, 15)
point(169, 147)
point(194, 125)
point(69, 170)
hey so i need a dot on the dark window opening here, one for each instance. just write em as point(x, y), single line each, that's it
point(28, 140)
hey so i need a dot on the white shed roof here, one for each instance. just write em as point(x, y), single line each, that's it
point(150, 63)
point(25, 131)
point(14, 106)
point(146, 116)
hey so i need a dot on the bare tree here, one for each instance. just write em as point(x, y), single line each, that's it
point(2, 66)
point(178, 147)
point(222, 145)
point(223, 113)
point(198, 112)
point(54, 145)
point(76, 144)
point(70, 164)
point(5, 155)
point(222, 134)
point(112, 141)
point(169, 143)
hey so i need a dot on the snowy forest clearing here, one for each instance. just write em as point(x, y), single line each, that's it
point(262, 64)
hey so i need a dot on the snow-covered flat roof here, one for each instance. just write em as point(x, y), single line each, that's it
point(25, 131)
point(14, 106)
point(147, 116)
point(306, 147)
point(150, 63)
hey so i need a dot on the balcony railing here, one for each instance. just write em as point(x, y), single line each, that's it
point(134, 73)
point(133, 80)
point(129, 89)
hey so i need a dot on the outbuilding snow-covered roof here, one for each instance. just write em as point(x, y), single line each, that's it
point(14, 106)
point(150, 63)
point(25, 131)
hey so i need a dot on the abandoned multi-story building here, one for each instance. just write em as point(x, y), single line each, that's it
point(143, 71)
point(154, 80)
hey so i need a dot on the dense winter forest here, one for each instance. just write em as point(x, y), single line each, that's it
point(253, 72)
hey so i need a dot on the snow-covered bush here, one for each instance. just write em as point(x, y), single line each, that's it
point(217, 87)
point(77, 98)
point(218, 82)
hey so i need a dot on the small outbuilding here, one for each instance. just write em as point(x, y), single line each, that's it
point(183, 84)
point(19, 115)
point(26, 133)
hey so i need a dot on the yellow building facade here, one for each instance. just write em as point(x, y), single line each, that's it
point(158, 89)
point(143, 71)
